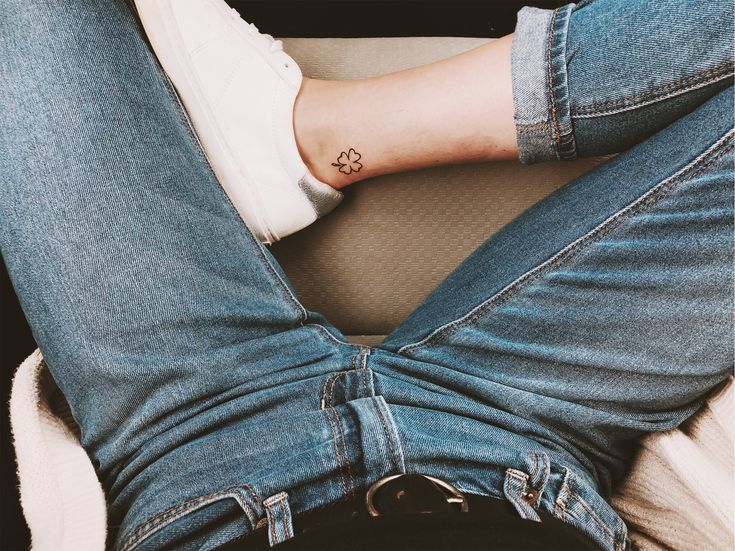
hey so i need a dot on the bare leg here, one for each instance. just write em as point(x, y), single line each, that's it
point(469, 96)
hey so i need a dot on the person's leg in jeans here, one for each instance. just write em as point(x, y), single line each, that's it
point(605, 311)
point(159, 315)
point(149, 242)
point(642, 58)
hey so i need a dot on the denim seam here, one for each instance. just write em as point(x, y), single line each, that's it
point(328, 407)
point(388, 436)
point(285, 291)
point(566, 494)
point(561, 128)
point(560, 503)
point(284, 512)
point(181, 111)
point(186, 120)
point(646, 103)
point(592, 515)
point(516, 494)
point(286, 529)
point(569, 252)
point(363, 372)
point(668, 90)
point(190, 502)
point(555, 123)
point(272, 528)
point(336, 451)
point(326, 332)
point(329, 381)
point(518, 475)
point(161, 519)
point(340, 425)
point(538, 476)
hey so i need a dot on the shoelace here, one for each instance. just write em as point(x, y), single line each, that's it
point(273, 44)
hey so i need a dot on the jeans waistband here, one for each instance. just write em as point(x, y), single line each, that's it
point(305, 460)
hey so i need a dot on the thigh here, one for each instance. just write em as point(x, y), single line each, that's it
point(605, 311)
point(147, 295)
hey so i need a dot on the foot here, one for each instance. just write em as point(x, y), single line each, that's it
point(239, 89)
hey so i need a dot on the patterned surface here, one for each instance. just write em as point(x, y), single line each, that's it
point(370, 262)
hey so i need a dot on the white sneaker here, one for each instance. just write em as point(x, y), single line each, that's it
point(239, 88)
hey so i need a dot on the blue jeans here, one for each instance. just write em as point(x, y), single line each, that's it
point(206, 392)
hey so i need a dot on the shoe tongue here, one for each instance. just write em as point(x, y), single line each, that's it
point(323, 197)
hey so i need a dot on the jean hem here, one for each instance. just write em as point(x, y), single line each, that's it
point(543, 120)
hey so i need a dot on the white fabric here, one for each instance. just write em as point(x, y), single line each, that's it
point(239, 89)
point(62, 499)
point(679, 494)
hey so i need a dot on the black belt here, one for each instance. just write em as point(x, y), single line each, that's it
point(413, 511)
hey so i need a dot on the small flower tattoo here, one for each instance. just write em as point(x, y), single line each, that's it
point(348, 162)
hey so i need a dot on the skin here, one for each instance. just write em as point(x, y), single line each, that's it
point(453, 111)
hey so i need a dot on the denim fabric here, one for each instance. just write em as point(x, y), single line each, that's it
point(599, 76)
point(211, 401)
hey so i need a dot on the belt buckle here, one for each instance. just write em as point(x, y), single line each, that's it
point(451, 494)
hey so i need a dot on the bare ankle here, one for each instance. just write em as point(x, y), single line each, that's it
point(316, 117)
point(453, 111)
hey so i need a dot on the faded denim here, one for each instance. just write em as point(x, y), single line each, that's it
point(598, 77)
point(211, 400)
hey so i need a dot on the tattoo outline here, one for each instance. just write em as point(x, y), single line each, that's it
point(347, 162)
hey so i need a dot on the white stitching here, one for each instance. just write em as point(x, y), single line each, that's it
point(649, 102)
point(571, 246)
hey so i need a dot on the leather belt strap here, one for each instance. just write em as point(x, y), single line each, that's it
point(419, 512)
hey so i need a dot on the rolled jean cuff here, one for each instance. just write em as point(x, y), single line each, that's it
point(540, 92)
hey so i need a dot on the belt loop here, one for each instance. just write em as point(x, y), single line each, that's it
point(366, 374)
point(524, 490)
point(539, 473)
point(519, 492)
point(278, 514)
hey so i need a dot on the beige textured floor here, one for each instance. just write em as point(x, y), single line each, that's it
point(373, 260)
point(370, 262)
